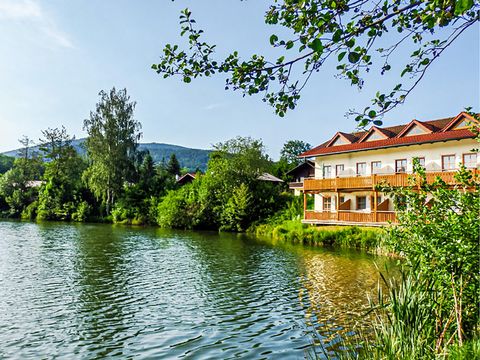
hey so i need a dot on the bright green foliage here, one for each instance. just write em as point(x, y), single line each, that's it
point(432, 311)
point(441, 243)
point(229, 195)
point(16, 185)
point(62, 189)
point(358, 36)
point(6, 163)
point(111, 145)
point(235, 216)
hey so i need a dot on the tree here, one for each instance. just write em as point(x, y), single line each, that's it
point(17, 185)
point(60, 194)
point(173, 166)
point(350, 31)
point(6, 163)
point(25, 152)
point(291, 149)
point(112, 142)
point(432, 309)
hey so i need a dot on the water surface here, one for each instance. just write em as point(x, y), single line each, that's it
point(99, 291)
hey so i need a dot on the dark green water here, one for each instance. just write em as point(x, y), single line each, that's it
point(101, 291)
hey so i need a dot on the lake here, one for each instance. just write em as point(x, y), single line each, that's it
point(90, 291)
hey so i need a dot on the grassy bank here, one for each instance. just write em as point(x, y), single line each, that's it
point(293, 231)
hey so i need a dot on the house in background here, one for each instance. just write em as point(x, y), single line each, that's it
point(186, 179)
point(303, 171)
point(348, 167)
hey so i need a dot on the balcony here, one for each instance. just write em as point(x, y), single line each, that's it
point(370, 182)
point(295, 185)
point(349, 217)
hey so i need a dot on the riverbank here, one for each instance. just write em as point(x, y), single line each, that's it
point(369, 239)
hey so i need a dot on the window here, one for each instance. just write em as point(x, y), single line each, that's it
point(421, 161)
point(341, 199)
point(361, 202)
point(448, 162)
point(376, 166)
point(339, 141)
point(415, 130)
point(327, 203)
point(339, 169)
point(361, 169)
point(401, 166)
point(327, 171)
point(470, 160)
point(375, 136)
point(379, 199)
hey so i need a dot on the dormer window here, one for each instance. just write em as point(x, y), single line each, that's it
point(415, 130)
point(339, 141)
point(375, 136)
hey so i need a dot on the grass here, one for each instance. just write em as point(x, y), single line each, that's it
point(293, 231)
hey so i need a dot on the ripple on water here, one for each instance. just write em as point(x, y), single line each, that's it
point(96, 291)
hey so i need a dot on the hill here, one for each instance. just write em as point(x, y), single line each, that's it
point(188, 157)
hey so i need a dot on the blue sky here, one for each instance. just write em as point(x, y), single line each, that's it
point(56, 55)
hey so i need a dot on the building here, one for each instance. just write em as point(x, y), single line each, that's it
point(299, 173)
point(348, 167)
point(186, 179)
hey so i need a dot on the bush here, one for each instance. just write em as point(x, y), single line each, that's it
point(82, 212)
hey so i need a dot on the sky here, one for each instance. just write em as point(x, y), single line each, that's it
point(56, 55)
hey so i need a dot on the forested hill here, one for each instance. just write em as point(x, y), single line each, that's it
point(188, 158)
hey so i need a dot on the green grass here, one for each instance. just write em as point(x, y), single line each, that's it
point(293, 231)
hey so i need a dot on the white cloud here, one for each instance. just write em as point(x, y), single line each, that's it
point(29, 11)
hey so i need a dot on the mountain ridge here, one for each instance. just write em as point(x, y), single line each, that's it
point(190, 158)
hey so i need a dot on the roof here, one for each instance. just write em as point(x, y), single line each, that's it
point(186, 177)
point(308, 163)
point(269, 177)
point(435, 131)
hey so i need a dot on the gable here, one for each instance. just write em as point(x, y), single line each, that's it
point(339, 141)
point(375, 135)
point(415, 130)
point(461, 121)
point(415, 127)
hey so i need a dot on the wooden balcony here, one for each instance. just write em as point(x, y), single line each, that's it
point(295, 185)
point(349, 217)
point(370, 182)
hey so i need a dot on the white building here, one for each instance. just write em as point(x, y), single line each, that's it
point(349, 166)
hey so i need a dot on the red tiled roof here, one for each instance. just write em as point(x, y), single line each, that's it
point(438, 134)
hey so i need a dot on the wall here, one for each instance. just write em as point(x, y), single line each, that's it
point(431, 152)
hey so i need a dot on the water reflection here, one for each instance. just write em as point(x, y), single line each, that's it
point(96, 291)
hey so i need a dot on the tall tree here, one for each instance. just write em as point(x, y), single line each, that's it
point(112, 142)
point(291, 149)
point(60, 192)
point(359, 35)
point(173, 166)
point(25, 152)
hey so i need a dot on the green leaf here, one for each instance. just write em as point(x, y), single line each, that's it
point(289, 44)
point(316, 45)
point(353, 57)
point(337, 35)
point(372, 114)
point(187, 79)
point(341, 55)
point(273, 39)
point(461, 6)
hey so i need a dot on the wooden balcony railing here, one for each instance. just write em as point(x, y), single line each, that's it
point(370, 182)
point(351, 216)
point(295, 185)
